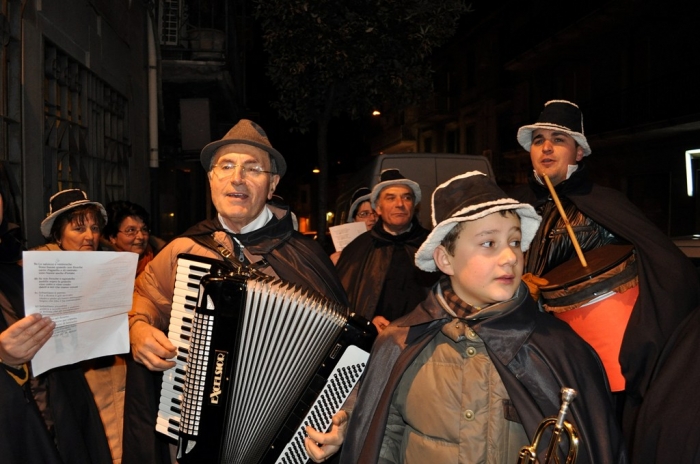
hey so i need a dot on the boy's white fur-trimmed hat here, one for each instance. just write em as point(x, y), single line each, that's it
point(559, 115)
point(393, 176)
point(468, 197)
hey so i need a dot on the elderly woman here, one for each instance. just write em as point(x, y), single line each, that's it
point(128, 229)
point(360, 211)
point(66, 428)
point(75, 223)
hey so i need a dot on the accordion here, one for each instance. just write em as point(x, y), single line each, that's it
point(258, 360)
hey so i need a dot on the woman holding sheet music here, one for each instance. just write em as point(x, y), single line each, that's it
point(52, 418)
point(75, 223)
point(360, 211)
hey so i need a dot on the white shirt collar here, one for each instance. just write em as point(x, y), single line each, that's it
point(257, 223)
point(569, 170)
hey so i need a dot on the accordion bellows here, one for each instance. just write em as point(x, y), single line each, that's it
point(260, 359)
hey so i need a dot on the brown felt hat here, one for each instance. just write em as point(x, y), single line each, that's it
point(247, 135)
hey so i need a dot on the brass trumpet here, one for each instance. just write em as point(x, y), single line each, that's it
point(528, 454)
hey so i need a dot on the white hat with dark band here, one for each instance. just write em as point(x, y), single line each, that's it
point(360, 196)
point(63, 201)
point(393, 176)
point(558, 115)
point(468, 197)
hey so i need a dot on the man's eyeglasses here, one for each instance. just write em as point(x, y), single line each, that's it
point(132, 231)
point(365, 214)
point(225, 170)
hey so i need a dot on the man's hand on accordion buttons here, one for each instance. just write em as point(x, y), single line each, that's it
point(320, 446)
point(151, 347)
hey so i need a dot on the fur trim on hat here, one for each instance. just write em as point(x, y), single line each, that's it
point(390, 177)
point(63, 201)
point(468, 197)
point(247, 133)
point(559, 115)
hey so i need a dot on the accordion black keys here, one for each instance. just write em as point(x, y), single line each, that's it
point(258, 360)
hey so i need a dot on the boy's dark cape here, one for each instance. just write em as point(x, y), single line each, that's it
point(535, 355)
point(668, 283)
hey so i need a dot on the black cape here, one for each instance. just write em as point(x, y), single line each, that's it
point(668, 429)
point(365, 263)
point(533, 370)
point(668, 282)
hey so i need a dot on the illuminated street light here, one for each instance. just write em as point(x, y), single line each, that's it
point(376, 113)
point(316, 170)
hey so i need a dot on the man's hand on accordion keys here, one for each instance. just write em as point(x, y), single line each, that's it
point(320, 446)
point(151, 347)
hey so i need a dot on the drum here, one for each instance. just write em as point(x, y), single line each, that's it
point(570, 285)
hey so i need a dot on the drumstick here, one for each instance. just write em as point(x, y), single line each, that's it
point(566, 220)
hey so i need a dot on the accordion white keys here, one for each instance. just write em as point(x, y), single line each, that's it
point(258, 360)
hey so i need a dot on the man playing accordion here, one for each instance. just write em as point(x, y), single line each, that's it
point(243, 171)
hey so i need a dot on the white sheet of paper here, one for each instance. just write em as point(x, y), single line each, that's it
point(346, 233)
point(87, 295)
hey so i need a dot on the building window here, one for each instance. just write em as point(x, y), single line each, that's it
point(452, 141)
point(10, 99)
point(470, 139)
point(86, 138)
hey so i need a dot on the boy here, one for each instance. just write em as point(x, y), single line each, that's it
point(470, 373)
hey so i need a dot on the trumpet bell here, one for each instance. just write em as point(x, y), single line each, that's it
point(528, 454)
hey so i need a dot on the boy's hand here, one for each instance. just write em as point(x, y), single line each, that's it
point(533, 284)
point(320, 446)
point(380, 322)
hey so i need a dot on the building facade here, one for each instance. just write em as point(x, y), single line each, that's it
point(74, 103)
point(630, 65)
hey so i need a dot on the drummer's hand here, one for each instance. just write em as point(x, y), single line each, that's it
point(533, 284)
point(380, 322)
point(151, 347)
point(320, 446)
point(20, 342)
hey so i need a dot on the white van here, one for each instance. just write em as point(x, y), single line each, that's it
point(428, 169)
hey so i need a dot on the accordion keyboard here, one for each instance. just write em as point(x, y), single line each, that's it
point(189, 274)
point(333, 395)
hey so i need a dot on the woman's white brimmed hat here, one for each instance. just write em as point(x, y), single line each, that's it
point(468, 197)
point(559, 115)
point(393, 176)
point(63, 201)
point(360, 196)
